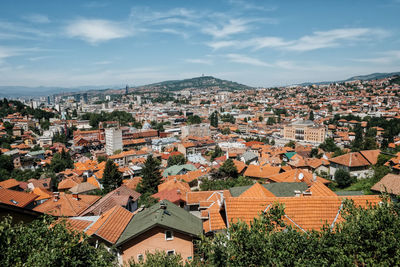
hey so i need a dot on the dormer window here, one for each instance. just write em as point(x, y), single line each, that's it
point(169, 235)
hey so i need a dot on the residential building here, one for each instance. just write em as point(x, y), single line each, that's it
point(113, 140)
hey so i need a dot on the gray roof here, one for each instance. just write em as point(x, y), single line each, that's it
point(171, 217)
point(278, 189)
point(349, 193)
point(248, 155)
point(174, 170)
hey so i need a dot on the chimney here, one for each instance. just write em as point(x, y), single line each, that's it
point(56, 196)
point(314, 177)
point(307, 193)
point(75, 196)
point(163, 206)
point(178, 191)
point(297, 193)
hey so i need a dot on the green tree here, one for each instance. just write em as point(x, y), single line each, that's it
point(151, 176)
point(214, 119)
point(329, 145)
point(228, 169)
point(61, 161)
point(291, 144)
point(159, 259)
point(311, 116)
point(193, 119)
point(216, 153)
point(226, 131)
point(112, 177)
point(176, 160)
point(343, 178)
point(271, 121)
point(45, 243)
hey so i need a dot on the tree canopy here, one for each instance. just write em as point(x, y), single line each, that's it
point(151, 176)
point(44, 243)
point(112, 177)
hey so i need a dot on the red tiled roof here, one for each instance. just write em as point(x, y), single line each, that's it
point(16, 198)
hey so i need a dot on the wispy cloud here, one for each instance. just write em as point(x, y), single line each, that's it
point(386, 57)
point(233, 26)
point(11, 30)
point(332, 38)
point(317, 40)
point(199, 61)
point(250, 6)
point(37, 18)
point(94, 31)
point(247, 60)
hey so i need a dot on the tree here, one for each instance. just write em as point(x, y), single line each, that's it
point(216, 153)
point(146, 200)
point(193, 119)
point(291, 144)
point(329, 145)
point(61, 161)
point(45, 243)
point(271, 121)
point(151, 176)
point(214, 119)
point(311, 116)
point(226, 131)
point(159, 258)
point(343, 178)
point(366, 237)
point(112, 177)
point(228, 169)
point(176, 160)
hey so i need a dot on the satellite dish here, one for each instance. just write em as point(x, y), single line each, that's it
point(301, 176)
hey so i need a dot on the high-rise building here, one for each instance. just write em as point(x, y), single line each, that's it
point(113, 140)
point(85, 98)
point(48, 100)
point(77, 97)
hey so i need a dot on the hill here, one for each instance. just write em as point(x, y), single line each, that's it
point(197, 83)
point(368, 77)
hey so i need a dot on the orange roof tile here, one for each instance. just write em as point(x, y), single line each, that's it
point(9, 183)
point(257, 191)
point(111, 224)
point(16, 198)
point(67, 205)
point(257, 171)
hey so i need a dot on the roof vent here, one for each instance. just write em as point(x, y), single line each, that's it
point(163, 205)
point(307, 193)
point(297, 193)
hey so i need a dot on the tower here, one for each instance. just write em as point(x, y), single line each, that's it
point(126, 89)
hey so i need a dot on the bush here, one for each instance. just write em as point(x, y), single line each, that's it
point(343, 178)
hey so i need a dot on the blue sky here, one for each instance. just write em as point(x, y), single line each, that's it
point(259, 43)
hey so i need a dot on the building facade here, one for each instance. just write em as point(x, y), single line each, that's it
point(304, 130)
point(113, 140)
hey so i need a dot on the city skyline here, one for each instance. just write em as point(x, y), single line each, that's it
point(257, 43)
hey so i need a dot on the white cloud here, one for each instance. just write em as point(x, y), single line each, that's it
point(10, 30)
point(247, 60)
point(386, 57)
point(233, 26)
point(96, 30)
point(332, 38)
point(37, 18)
point(318, 40)
point(250, 6)
point(199, 61)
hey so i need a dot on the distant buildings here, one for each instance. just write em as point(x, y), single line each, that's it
point(200, 130)
point(113, 140)
point(304, 130)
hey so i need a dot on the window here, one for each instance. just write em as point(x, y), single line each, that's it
point(169, 235)
point(140, 257)
point(14, 202)
point(170, 252)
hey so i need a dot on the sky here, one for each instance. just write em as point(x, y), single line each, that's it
point(259, 43)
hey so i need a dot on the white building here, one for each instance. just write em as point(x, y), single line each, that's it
point(113, 140)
